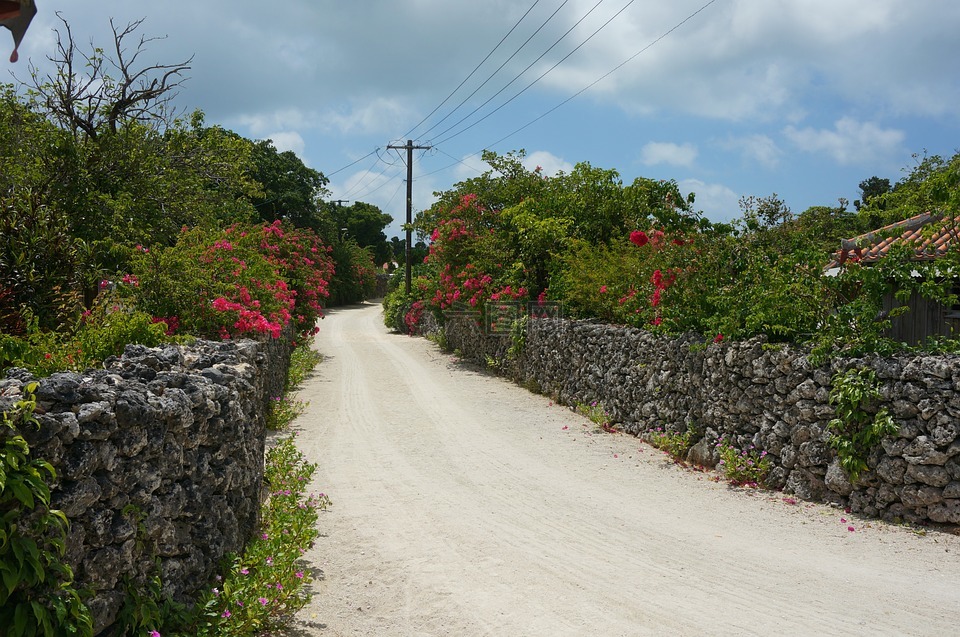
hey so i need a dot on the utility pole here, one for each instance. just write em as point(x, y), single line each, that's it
point(410, 148)
point(340, 202)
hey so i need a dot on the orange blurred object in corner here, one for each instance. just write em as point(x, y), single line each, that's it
point(16, 16)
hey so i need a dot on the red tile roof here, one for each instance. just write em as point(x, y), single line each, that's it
point(928, 245)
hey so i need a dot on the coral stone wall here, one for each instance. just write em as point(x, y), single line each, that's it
point(751, 394)
point(158, 455)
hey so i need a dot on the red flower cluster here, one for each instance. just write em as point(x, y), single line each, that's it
point(639, 238)
point(172, 323)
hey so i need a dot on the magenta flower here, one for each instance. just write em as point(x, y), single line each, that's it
point(226, 613)
point(299, 574)
point(263, 601)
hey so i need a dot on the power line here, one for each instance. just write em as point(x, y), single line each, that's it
point(585, 88)
point(448, 129)
point(476, 68)
point(490, 77)
point(352, 163)
point(544, 74)
point(367, 177)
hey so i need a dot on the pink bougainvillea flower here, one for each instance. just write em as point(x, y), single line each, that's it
point(639, 238)
point(718, 338)
point(851, 529)
point(603, 289)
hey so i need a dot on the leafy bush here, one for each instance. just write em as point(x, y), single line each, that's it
point(856, 431)
point(37, 596)
point(355, 278)
point(101, 332)
point(241, 280)
point(397, 307)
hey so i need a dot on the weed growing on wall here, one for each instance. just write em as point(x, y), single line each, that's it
point(302, 361)
point(856, 431)
point(284, 409)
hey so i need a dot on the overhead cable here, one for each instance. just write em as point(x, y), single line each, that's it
point(476, 68)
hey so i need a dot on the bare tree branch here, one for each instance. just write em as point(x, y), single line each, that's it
point(92, 100)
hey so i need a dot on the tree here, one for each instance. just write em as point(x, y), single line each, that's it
point(94, 99)
point(129, 172)
point(872, 189)
point(364, 224)
point(291, 191)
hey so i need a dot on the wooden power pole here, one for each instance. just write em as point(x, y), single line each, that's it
point(410, 148)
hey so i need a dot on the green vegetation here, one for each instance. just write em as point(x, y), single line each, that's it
point(743, 467)
point(640, 254)
point(597, 414)
point(37, 596)
point(856, 431)
point(121, 224)
point(675, 444)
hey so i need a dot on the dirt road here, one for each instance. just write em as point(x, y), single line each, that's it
point(464, 505)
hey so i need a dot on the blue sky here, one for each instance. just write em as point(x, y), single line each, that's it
point(804, 98)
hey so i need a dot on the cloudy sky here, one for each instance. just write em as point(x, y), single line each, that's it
point(803, 98)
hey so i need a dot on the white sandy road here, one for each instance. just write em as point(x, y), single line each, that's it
point(464, 505)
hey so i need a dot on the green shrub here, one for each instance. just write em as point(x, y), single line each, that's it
point(37, 596)
point(856, 431)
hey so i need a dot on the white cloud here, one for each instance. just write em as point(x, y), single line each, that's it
point(718, 202)
point(375, 115)
point(655, 153)
point(757, 148)
point(260, 124)
point(548, 163)
point(850, 141)
point(469, 166)
point(288, 140)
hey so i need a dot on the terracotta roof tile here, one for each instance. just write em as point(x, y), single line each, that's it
point(871, 246)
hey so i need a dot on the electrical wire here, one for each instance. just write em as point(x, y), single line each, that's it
point(491, 76)
point(476, 68)
point(328, 175)
point(607, 74)
point(544, 74)
point(367, 177)
point(578, 93)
